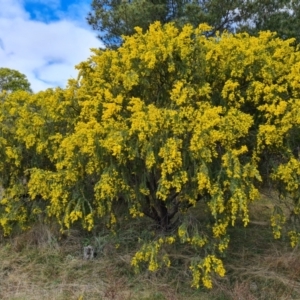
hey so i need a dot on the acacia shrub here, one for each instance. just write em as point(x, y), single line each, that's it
point(168, 121)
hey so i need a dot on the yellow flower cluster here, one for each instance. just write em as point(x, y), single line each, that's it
point(277, 221)
point(134, 212)
point(294, 238)
point(148, 253)
point(201, 271)
point(289, 173)
point(219, 228)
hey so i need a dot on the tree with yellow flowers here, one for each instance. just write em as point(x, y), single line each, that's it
point(169, 121)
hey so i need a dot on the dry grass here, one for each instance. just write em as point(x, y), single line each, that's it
point(35, 265)
point(259, 268)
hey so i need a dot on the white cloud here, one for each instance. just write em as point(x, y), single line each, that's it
point(45, 52)
point(12, 9)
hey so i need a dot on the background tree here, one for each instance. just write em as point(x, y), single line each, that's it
point(23, 116)
point(281, 16)
point(12, 80)
point(114, 18)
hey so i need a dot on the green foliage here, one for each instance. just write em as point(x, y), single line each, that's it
point(114, 18)
point(12, 80)
point(170, 121)
point(281, 16)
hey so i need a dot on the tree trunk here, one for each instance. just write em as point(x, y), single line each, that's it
point(160, 214)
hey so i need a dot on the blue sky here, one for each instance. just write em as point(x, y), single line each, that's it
point(45, 39)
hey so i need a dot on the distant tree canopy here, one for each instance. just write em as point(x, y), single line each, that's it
point(12, 80)
point(114, 18)
point(170, 122)
point(280, 16)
